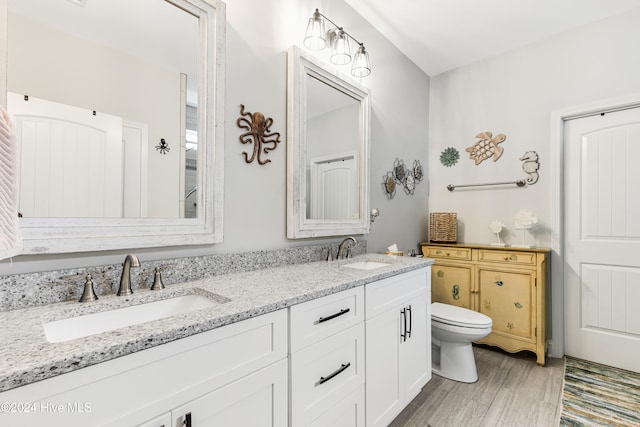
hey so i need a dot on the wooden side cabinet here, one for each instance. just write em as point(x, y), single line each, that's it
point(507, 284)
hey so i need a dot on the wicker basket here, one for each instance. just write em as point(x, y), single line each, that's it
point(443, 227)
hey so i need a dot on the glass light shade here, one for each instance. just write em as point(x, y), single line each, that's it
point(361, 66)
point(340, 48)
point(315, 37)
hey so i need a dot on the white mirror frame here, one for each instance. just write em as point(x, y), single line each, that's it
point(299, 65)
point(63, 235)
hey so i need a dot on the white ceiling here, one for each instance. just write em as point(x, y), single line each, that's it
point(440, 35)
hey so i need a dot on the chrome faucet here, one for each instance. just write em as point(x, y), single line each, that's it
point(341, 247)
point(125, 280)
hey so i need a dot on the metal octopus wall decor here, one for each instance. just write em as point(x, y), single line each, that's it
point(259, 134)
point(163, 147)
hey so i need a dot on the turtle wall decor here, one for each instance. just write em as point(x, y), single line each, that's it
point(486, 147)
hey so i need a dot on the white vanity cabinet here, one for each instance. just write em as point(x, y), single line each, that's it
point(327, 361)
point(236, 372)
point(398, 343)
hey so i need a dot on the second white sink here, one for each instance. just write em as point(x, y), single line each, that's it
point(366, 265)
point(96, 323)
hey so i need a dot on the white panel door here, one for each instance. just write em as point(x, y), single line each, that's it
point(334, 189)
point(602, 238)
point(71, 161)
point(135, 137)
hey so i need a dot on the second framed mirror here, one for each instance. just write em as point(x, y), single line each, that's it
point(328, 116)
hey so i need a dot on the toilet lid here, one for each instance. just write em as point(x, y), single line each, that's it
point(458, 316)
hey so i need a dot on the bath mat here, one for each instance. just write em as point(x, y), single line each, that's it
point(599, 395)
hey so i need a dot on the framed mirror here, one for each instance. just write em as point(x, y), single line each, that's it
point(119, 112)
point(328, 119)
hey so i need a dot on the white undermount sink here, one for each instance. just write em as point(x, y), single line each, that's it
point(366, 265)
point(104, 321)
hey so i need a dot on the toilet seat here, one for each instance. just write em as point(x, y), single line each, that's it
point(458, 316)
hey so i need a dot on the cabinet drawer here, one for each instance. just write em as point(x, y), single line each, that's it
point(325, 373)
point(446, 252)
point(315, 320)
point(348, 413)
point(507, 257)
point(387, 293)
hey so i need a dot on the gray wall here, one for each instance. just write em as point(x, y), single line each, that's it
point(258, 35)
point(515, 94)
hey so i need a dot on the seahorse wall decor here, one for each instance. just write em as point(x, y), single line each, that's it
point(259, 128)
point(530, 166)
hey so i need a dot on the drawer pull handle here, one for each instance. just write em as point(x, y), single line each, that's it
point(333, 316)
point(334, 374)
point(410, 321)
point(186, 422)
point(403, 335)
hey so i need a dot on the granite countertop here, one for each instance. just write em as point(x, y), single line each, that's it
point(26, 356)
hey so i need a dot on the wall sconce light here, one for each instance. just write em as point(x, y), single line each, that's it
point(316, 38)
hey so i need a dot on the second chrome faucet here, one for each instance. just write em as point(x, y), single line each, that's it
point(341, 254)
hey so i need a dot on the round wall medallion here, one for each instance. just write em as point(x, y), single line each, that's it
point(399, 170)
point(418, 171)
point(389, 185)
point(449, 157)
point(409, 183)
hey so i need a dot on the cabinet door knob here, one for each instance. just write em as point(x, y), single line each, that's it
point(455, 292)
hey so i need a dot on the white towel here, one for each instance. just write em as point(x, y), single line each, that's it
point(10, 236)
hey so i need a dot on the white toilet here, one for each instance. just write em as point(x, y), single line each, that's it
point(452, 330)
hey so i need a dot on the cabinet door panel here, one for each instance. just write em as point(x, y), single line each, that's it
point(161, 421)
point(452, 285)
point(415, 369)
point(385, 294)
point(383, 394)
point(257, 400)
point(509, 299)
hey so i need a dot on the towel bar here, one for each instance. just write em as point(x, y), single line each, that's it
point(519, 183)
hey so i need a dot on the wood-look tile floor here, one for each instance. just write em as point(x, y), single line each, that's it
point(512, 390)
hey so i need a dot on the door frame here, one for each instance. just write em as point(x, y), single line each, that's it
point(558, 119)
